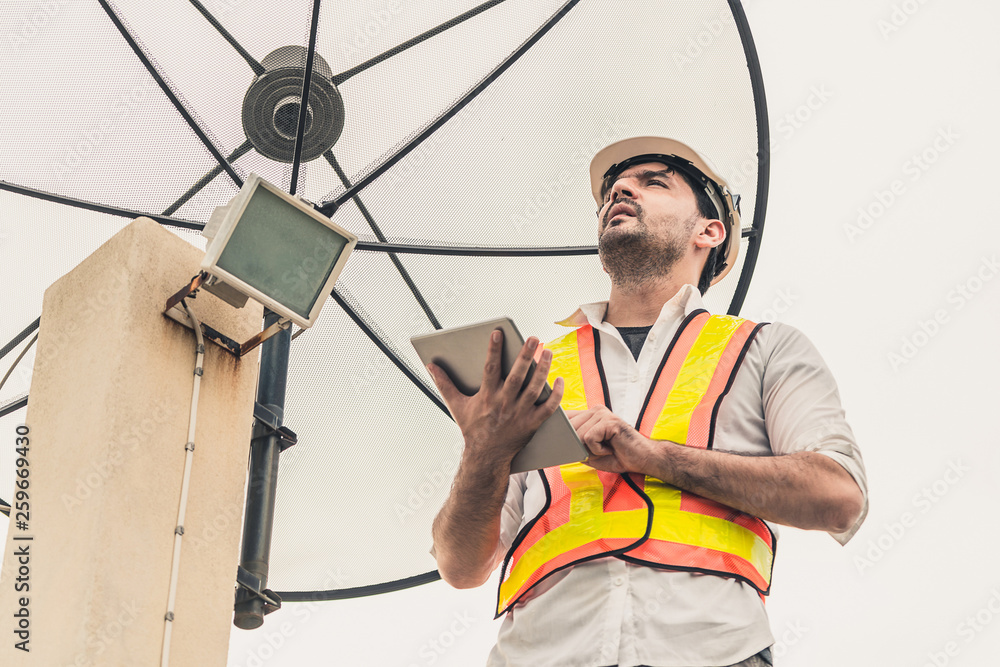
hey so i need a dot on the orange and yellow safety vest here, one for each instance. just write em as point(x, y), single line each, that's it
point(592, 514)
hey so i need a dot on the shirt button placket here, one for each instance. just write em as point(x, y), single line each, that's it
point(614, 611)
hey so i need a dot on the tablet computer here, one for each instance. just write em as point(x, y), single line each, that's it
point(461, 353)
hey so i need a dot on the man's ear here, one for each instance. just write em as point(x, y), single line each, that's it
point(712, 234)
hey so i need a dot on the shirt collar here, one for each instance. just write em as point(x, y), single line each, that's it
point(687, 300)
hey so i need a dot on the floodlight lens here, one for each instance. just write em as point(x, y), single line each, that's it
point(282, 251)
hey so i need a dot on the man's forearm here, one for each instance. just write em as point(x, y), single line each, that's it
point(806, 490)
point(467, 529)
point(496, 423)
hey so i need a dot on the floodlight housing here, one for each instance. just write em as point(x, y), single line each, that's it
point(276, 249)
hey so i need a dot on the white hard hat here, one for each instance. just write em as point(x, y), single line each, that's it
point(622, 154)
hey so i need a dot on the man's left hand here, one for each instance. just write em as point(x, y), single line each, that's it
point(613, 444)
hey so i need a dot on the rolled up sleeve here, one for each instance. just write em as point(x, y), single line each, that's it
point(513, 510)
point(802, 408)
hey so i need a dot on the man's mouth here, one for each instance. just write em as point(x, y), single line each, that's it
point(619, 213)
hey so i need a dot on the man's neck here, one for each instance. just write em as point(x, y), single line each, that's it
point(640, 306)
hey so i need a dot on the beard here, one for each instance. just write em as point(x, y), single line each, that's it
point(633, 256)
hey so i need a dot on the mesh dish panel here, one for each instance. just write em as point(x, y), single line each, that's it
point(88, 120)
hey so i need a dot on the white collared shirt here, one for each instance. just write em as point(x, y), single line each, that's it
point(609, 612)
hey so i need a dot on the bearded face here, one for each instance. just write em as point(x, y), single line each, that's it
point(635, 246)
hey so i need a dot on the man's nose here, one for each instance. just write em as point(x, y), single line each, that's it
point(623, 187)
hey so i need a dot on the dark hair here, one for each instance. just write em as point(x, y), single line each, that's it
point(706, 209)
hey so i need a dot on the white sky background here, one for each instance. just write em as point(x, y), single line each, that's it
point(881, 106)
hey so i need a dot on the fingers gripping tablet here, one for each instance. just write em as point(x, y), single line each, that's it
point(462, 354)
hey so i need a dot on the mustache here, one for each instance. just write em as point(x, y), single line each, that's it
point(631, 202)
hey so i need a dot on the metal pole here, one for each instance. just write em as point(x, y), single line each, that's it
point(265, 449)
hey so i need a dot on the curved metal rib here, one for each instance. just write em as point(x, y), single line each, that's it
point(188, 118)
point(300, 129)
point(13, 405)
point(331, 158)
point(329, 207)
point(475, 251)
point(359, 591)
point(100, 208)
point(756, 231)
point(381, 344)
point(257, 68)
point(357, 69)
point(16, 340)
point(240, 151)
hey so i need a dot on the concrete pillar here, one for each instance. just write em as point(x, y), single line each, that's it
point(108, 419)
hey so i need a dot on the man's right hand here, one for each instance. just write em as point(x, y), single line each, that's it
point(499, 420)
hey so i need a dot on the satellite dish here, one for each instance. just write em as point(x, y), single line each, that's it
point(452, 138)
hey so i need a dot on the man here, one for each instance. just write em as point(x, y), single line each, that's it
point(656, 550)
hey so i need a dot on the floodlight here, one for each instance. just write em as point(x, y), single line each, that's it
point(276, 249)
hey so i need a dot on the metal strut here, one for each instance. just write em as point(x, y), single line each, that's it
point(250, 584)
point(266, 446)
point(171, 310)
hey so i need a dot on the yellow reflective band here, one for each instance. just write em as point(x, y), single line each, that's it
point(585, 489)
point(671, 524)
point(588, 522)
point(693, 378)
point(566, 364)
point(663, 495)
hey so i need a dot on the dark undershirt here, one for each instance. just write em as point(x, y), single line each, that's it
point(634, 337)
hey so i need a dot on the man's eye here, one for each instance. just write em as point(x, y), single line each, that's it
point(660, 183)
